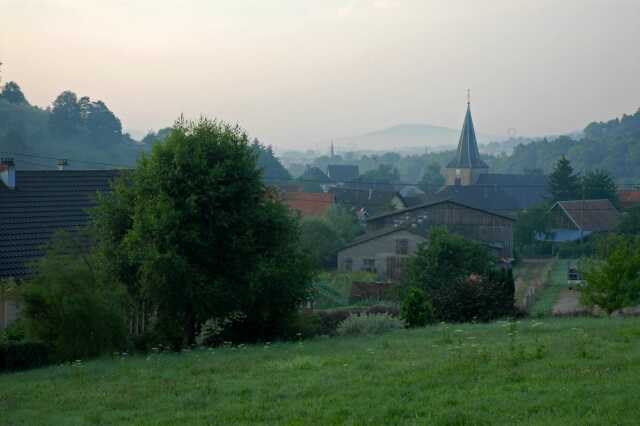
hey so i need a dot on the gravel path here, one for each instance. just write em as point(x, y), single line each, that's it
point(569, 304)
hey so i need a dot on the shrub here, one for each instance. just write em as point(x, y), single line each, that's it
point(214, 330)
point(416, 309)
point(68, 307)
point(330, 319)
point(22, 355)
point(364, 324)
point(476, 298)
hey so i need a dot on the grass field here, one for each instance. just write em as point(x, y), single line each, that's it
point(559, 372)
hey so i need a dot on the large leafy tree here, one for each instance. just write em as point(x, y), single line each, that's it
point(13, 94)
point(66, 118)
point(203, 236)
point(432, 179)
point(599, 184)
point(564, 184)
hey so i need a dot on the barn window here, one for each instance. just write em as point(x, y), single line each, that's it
point(347, 264)
point(402, 246)
point(369, 265)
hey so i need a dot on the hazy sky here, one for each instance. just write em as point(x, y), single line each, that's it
point(295, 72)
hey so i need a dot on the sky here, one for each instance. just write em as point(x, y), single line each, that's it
point(297, 73)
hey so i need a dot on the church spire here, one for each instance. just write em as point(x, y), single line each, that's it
point(467, 155)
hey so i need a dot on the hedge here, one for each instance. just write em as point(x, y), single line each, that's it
point(22, 355)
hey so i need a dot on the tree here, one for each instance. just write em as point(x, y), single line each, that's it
point(344, 222)
point(416, 310)
point(66, 118)
point(13, 94)
point(101, 124)
point(599, 184)
point(383, 174)
point(529, 223)
point(563, 183)
point(204, 238)
point(321, 241)
point(272, 170)
point(630, 223)
point(614, 283)
point(445, 259)
point(432, 179)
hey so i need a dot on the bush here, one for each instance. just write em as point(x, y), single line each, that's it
point(330, 319)
point(476, 298)
point(416, 309)
point(68, 307)
point(214, 330)
point(22, 355)
point(365, 324)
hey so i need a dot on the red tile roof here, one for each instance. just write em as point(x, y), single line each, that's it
point(309, 203)
point(629, 198)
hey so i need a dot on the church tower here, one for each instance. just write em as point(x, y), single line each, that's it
point(467, 166)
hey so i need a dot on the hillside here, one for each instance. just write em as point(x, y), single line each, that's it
point(570, 371)
point(406, 136)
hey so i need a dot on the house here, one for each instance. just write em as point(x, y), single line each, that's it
point(308, 203)
point(467, 169)
point(578, 219)
point(393, 237)
point(343, 173)
point(367, 202)
point(34, 204)
point(629, 198)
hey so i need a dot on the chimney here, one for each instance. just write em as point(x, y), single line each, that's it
point(61, 163)
point(8, 172)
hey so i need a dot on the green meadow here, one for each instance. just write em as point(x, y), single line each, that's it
point(574, 371)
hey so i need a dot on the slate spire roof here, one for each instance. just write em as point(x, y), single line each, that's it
point(467, 156)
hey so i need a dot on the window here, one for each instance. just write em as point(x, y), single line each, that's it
point(402, 246)
point(369, 265)
point(347, 264)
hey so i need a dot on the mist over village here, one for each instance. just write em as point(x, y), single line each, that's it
point(351, 212)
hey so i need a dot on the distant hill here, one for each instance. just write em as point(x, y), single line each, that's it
point(405, 136)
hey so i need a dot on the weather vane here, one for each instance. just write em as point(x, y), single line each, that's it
point(468, 96)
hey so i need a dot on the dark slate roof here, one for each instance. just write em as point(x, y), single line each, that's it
point(489, 198)
point(527, 190)
point(590, 215)
point(314, 174)
point(343, 172)
point(439, 201)
point(42, 202)
point(374, 202)
point(467, 155)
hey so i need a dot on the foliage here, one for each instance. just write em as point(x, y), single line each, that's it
point(212, 332)
point(598, 185)
point(476, 298)
point(416, 309)
point(344, 222)
point(320, 240)
point(365, 324)
point(22, 355)
point(563, 183)
point(432, 179)
point(630, 222)
point(200, 237)
point(382, 174)
point(70, 306)
point(614, 283)
point(325, 322)
point(12, 93)
point(529, 223)
point(272, 170)
point(446, 259)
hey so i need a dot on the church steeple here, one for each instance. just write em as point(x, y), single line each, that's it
point(467, 164)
